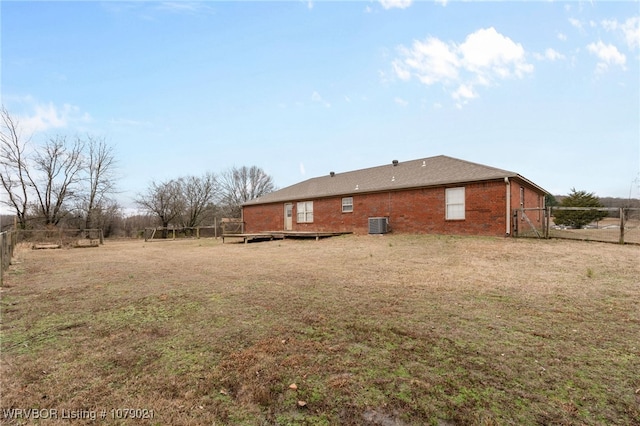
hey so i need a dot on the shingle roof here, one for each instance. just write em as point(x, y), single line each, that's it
point(432, 171)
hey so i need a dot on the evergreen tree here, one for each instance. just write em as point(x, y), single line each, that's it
point(579, 218)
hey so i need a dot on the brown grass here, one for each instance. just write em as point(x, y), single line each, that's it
point(389, 330)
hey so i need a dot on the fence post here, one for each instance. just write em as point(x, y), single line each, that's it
point(621, 226)
point(8, 240)
point(2, 237)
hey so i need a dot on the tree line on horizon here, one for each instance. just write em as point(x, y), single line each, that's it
point(73, 182)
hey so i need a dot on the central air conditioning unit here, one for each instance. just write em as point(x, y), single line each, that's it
point(378, 225)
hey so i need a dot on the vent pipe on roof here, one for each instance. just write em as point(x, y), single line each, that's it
point(395, 162)
point(424, 163)
point(332, 174)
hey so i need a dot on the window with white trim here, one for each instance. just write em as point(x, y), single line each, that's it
point(454, 200)
point(347, 204)
point(305, 211)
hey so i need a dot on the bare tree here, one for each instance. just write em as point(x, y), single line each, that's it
point(100, 178)
point(240, 185)
point(198, 193)
point(47, 180)
point(59, 164)
point(132, 224)
point(107, 216)
point(14, 174)
point(163, 200)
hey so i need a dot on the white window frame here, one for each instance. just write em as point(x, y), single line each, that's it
point(304, 212)
point(347, 204)
point(455, 203)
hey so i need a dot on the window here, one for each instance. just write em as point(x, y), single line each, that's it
point(347, 204)
point(305, 212)
point(454, 199)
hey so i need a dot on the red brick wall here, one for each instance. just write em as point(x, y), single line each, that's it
point(263, 217)
point(532, 199)
point(411, 211)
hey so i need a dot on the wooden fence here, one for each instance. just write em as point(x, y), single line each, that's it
point(8, 241)
point(232, 225)
point(621, 225)
point(61, 237)
point(172, 233)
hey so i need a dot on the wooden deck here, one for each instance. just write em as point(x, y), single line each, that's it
point(281, 235)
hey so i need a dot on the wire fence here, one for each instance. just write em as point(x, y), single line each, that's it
point(614, 225)
point(8, 241)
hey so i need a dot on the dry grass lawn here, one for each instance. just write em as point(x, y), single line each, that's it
point(393, 330)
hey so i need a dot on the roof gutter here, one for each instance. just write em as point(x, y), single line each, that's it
point(508, 203)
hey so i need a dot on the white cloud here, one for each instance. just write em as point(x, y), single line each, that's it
point(431, 61)
point(464, 92)
point(399, 4)
point(562, 37)
point(401, 102)
point(608, 55)
point(48, 116)
point(576, 23)
point(550, 55)
point(610, 24)
point(484, 57)
point(302, 169)
point(401, 71)
point(189, 7)
point(553, 55)
point(630, 30)
point(315, 97)
point(487, 51)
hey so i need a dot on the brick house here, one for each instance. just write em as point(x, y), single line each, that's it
point(436, 195)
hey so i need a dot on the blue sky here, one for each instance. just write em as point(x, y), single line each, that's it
point(549, 90)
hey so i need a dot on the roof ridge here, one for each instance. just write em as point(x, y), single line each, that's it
point(395, 175)
point(479, 164)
